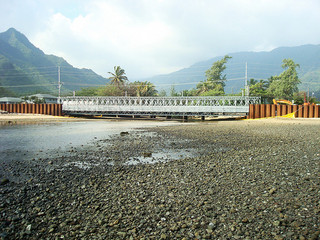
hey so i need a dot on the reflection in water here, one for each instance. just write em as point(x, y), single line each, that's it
point(25, 142)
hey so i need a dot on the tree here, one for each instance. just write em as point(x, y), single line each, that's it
point(4, 92)
point(90, 91)
point(118, 77)
point(215, 73)
point(162, 93)
point(173, 92)
point(202, 87)
point(145, 89)
point(286, 84)
point(109, 90)
point(215, 81)
point(258, 88)
point(216, 91)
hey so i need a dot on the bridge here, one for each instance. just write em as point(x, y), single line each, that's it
point(159, 106)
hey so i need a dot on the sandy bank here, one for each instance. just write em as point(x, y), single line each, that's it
point(16, 118)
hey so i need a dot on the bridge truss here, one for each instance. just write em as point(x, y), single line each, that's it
point(158, 106)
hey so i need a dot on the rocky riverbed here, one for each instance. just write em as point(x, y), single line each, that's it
point(214, 180)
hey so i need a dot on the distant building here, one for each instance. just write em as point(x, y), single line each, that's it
point(9, 100)
point(47, 98)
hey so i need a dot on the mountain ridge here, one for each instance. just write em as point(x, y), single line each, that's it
point(27, 69)
point(260, 65)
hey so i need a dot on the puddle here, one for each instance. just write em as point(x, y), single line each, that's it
point(165, 156)
point(82, 165)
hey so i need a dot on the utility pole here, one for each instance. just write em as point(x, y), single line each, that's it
point(246, 81)
point(59, 85)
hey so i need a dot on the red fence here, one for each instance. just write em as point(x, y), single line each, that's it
point(272, 110)
point(47, 109)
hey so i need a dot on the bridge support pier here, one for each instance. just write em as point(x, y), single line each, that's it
point(169, 117)
point(203, 118)
point(185, 118)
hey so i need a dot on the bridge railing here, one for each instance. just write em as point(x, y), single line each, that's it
point(158, 105)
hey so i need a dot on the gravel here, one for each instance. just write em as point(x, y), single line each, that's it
point(255, 179)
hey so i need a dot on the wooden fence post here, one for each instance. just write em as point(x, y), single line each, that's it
point(48, 109)
point(278, 110)
point(251, 111)
point(305, 111)
point(268, 110)
point(316, 111)
point(283, 110)
point(10, 108)
point(273, 110)
point(311, 108)
point(262, 110)
point(257, 110)
point(37, 108)
point(55, 112)
point(59, 109)
point(295, 109)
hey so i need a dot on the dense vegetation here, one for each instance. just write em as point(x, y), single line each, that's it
point(282, 86)
point(120, 86)
point(260, 65)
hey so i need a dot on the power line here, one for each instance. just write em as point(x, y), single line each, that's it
point(57, 72)
point(30, 85)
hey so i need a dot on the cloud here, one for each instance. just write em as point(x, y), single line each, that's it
point(155, 37)
point(110, 35)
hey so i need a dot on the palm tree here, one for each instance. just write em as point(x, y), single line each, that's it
point(118, 77)
point(145, 89)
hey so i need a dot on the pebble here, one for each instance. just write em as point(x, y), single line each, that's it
point(234, 179)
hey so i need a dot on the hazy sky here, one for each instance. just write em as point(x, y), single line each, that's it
point(150, 37)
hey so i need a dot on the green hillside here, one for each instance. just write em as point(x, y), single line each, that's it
point(260, 65)
point(25, 69)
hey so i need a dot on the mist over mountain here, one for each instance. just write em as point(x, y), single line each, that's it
point(260, 65)
point(25, 69)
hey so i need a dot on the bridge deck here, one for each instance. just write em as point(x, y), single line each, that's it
point(159, 106)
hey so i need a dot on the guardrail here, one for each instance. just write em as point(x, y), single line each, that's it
point(160, 106)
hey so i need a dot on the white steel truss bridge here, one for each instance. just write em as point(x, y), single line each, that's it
point(158, 106)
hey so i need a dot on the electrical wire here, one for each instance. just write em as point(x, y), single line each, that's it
point(52, 71)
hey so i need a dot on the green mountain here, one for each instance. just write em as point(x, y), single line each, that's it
point(25, 69)
point(260, 65)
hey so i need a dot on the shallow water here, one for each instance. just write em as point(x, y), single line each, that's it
point(23, 142)
point(163, 156)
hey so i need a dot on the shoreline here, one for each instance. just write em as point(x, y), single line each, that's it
point(22, 118)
